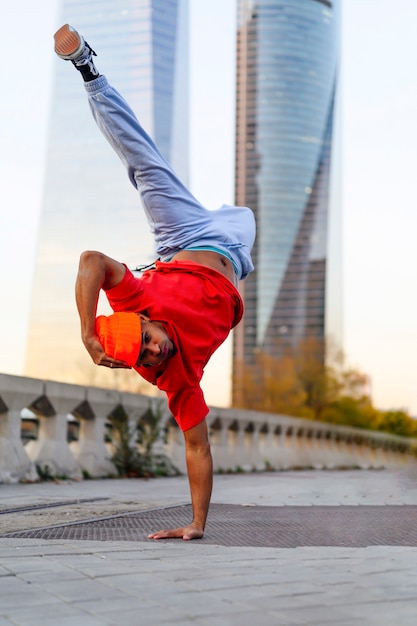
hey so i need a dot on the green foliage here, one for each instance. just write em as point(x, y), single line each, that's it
point(45, 474)
point(304, 383)
point(350, 411)
point(126, 456)
point(148, 429)
point(397, 422)
point(133, 444)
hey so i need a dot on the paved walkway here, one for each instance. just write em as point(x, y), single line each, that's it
point(128, 583)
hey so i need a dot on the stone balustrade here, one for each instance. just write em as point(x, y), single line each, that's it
point(240, 440)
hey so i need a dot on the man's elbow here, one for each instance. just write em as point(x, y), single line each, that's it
point(89, 257)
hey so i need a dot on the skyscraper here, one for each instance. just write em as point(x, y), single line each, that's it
point(287, 70)
point(88, 201)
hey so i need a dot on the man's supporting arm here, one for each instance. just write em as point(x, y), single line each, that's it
point(200, 476)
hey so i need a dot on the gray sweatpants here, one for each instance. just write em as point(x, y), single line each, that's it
point(177, 220)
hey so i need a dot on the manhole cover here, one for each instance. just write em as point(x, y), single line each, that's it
point(266, 526)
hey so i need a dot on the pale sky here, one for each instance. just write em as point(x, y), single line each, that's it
point(379, 157)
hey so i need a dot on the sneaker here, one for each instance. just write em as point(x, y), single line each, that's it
point(70, 46)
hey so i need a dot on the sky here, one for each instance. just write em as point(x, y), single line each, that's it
point(378, 96)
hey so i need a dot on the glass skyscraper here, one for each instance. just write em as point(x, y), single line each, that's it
point(286, 171)
point(88, 202)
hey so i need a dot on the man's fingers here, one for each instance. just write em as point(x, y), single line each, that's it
point(95, 350)
point(167, 534)
point(113, 363)
point(186, 534)
point(117, 365)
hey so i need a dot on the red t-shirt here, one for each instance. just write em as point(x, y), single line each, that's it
point(198, 307)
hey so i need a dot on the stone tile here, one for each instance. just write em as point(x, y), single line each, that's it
point(74, 590)
point(147, 617)
point(117, 602)
point(50, 576)
point(248, 618)
point(102, 570)
point(19, 565)
point(138, 582)
point(40, 611)
point(386, 612)
point(12, 584)
point(75, 618)
point(26, 598)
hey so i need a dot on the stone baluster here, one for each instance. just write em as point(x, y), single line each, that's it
point(277, 445)
point(135, 405)
point(51, 452)
point(240, 440)
point(289, 452)
point(218, 426)
point(138, 408)
point(318, 457)
point(307, 446)
point(266, 444)
point(16, 393)
point(253, 460)
point(90, 450)
point(175, 446)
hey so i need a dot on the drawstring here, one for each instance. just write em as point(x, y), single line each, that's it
point(143, 268)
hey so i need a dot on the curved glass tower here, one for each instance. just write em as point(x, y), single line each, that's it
point(88, 201)
point(287, 66)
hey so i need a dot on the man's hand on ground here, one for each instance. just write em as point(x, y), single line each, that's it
point(186, 533)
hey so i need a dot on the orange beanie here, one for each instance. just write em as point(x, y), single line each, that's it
point(120, 335)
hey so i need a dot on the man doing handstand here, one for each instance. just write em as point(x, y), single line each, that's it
point(167, 323)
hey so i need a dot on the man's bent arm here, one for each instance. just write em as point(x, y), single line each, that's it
point(200, 476)
point(96, 271)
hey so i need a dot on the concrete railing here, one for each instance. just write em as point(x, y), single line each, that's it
point(240, 440)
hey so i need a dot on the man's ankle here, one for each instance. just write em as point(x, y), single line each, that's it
point(71, 46)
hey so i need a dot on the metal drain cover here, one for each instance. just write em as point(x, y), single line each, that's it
point(266, 526)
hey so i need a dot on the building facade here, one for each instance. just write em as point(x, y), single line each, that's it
point(286, 171)
point(88, 201)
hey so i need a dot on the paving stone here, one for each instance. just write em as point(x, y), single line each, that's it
point(50, 576)
point(144, 617)
point(12, 584)
point(40, 612)
point(248, 618)
point(86, 589)
point(124, 583)
point(26, 597)
point(74, 619)
point(118, 601)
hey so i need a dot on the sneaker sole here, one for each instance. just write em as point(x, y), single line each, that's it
point(68, 43)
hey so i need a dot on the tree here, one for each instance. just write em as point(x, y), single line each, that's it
point(303, 383)
point(349, 411)
point(397, 422)
point(272, 385)
point(320, 381)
